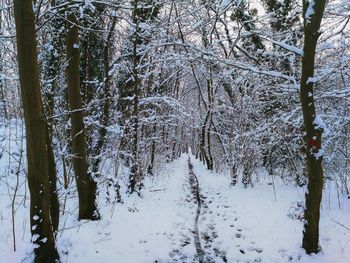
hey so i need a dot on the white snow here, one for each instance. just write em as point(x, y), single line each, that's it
point(35, 237)
point(310, 10)
point(319, 124)
point(312, 80)
point(144, 26)
point(319, 154)
point(244, 225)
point(224, 4)
point(81, 12)
point(286, 46)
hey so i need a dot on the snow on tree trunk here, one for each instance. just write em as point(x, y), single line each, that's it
point(313, 131)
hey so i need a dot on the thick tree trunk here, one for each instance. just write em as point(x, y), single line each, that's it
point(312, 20)
point(85, 183)
point(54, 203)
point(41, 168)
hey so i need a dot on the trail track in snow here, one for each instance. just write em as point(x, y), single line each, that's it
point(194, 185)
point(189, 215)
point(202, 232)
point(205, 254)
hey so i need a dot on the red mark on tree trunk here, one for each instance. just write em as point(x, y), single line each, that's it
point(314, 144)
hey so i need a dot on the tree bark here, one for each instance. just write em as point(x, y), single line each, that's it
point(54, 203)
point(2, 82)
point(106, 101)
point(153, 152)
point(135, 173)
point(206, 157)
point(41, 169)
point(313, 133)
point(85, 184)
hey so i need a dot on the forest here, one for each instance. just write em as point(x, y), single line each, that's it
point(163, 131)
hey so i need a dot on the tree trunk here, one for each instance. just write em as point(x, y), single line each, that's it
point(206, 157)
point(106, 101)
point(135, 173)
point(41, 171)
point(85, 183)
point(54, 203)
point(2, 82)
point(313, 132)
point(153, 152)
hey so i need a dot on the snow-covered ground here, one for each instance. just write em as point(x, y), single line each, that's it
point(235, 224)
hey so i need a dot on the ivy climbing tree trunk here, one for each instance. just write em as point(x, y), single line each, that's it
point(85, 183)
point(313, 13)
point(41, 165)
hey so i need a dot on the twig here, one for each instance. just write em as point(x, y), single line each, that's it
point(156, 190)
point(348, 228)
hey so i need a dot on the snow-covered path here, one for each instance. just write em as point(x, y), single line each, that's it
point(160, 227)
point(156, 228)
point(234, 224)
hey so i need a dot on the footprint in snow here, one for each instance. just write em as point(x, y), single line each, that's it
point(256, 249)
